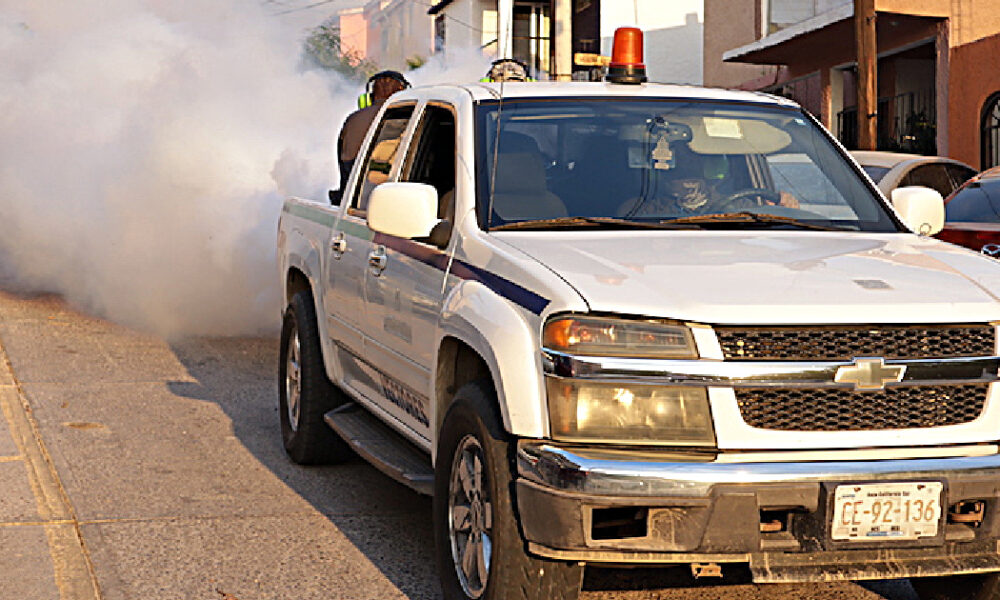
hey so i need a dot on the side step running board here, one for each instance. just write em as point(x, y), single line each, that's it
point(385, 449)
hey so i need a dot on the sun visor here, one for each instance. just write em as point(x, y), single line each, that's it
point(726, 135)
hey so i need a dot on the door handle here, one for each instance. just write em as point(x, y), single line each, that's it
point(338, 245)
point(377, 261)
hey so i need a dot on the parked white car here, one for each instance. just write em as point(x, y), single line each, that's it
point(891, 170)
point(651, 325)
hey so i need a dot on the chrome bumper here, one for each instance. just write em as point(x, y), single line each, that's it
point(644, 475)
point(605, 506)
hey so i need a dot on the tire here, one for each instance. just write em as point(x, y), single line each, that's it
point(306, 437)
point(472, 435)
point(958, 587)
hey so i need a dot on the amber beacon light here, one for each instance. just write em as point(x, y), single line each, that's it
point(626, 57)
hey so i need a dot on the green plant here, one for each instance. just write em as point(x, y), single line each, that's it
point(324, 48)
point(415, 62)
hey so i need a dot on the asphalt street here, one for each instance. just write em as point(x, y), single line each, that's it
point(133, 468)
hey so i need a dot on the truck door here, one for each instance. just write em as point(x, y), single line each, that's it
point(404, 287)
point(349, 246)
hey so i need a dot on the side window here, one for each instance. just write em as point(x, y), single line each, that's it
point(431, 157)
point(959, 174)
point(382, 154)
point(932, 176)
point(971, 205)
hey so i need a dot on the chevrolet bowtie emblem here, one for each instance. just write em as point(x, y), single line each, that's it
point(869, 374)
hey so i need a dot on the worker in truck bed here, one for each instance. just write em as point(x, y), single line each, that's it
point(380, 86)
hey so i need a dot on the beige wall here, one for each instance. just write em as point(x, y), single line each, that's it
point(730, 24)
point(970, 20)
point(354, 32)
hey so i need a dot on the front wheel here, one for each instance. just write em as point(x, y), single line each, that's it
point(958, 587)
point(480, 552)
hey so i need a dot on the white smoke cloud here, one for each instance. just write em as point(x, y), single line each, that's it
point(146, 147)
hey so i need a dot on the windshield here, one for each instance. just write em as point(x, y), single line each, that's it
point(659, 160)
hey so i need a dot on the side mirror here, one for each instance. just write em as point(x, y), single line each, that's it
point(335, 196)
point(922, 209)
point(406, 210)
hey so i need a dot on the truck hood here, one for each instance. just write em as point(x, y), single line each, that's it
point(772, 277)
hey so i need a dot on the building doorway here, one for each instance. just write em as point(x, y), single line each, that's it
point(989, 137)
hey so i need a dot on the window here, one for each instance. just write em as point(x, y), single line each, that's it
point(932, 176)
point(382, 154)
point(532, 29)
point(431, 158)
point(971, 204)
point(990, 135)
point(959, 174)
point(796, 174)
point(439, 33)
point(876, 173)
point(654, 160)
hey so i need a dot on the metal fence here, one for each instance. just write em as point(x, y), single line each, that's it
point(906, 123)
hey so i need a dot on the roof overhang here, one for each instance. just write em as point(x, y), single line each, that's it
point(816, 37)
point(787, 45)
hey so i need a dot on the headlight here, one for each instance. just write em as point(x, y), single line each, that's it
point(628, 413)
point(600, 336)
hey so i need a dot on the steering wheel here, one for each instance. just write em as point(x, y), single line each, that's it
point(749, 197)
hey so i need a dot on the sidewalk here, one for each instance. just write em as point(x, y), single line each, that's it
point(39, 535)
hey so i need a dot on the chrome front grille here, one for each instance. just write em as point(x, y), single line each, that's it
point(837, 409)
point(848, 342)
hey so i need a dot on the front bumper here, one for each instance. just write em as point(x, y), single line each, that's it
point(631, 507)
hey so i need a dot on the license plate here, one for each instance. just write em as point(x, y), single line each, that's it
point(873, 512)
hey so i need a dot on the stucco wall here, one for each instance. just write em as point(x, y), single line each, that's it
point(730, 24)
point(354, 32)
point(975, 74)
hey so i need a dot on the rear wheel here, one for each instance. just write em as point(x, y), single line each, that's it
point(480, 551)
point(958, 587)
point(306, 393)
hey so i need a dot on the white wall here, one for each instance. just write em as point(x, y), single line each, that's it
point(402, 30)
point(470, 24)
point(673, 31)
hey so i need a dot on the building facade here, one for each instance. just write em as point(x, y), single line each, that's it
point(938, 67)
point(398, 33)
point(673, 33)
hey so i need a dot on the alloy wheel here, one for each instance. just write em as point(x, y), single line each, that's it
point(470, 517)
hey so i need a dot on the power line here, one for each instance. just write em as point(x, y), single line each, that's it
point(300, 8)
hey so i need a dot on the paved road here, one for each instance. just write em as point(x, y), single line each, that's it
point(133, 468)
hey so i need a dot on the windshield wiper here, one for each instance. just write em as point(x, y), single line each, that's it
point(750, 217)
point(560, 222)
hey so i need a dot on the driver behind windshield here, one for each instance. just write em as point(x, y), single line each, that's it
point(679, 182)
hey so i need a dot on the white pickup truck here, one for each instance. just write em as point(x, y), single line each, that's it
point(616, 324)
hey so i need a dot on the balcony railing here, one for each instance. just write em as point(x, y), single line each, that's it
point(906, 123)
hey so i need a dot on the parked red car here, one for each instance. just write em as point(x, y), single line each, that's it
point(972, 214)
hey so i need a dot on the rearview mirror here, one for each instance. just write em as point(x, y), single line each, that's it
point(921, 208)
point(406, 210)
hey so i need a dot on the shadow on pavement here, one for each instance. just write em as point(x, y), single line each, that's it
point(387, 522)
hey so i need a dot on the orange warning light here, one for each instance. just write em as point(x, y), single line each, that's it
point(626, 57)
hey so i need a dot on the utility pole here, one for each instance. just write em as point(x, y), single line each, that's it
point(564, 40)
point(864, 28)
